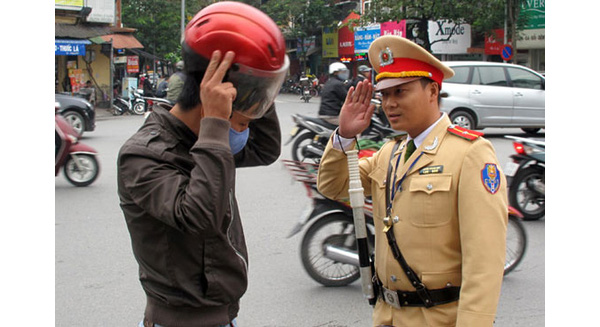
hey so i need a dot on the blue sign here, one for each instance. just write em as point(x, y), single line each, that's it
point(364, 36)
point(507, 52)
point(70, 47)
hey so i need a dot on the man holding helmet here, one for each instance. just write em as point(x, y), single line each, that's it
point(176, 175)
point(334, 93)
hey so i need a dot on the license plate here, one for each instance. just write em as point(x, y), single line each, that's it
point(294, 131)
point(510, 169)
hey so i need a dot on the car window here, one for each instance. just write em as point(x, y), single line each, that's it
point(461, 75)
point(524, 79)
point(493, 76)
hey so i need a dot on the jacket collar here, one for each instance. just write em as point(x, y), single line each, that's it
point(171, 123)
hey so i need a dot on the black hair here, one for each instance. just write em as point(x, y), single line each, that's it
point(425, 81)
point(194, 67)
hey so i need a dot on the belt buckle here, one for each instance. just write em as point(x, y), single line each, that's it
point(391, 298)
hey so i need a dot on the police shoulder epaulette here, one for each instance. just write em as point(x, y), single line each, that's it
point(464, 133)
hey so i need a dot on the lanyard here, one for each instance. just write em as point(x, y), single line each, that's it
point(396, 189)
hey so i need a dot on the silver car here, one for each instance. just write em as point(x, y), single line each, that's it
point(487, 94)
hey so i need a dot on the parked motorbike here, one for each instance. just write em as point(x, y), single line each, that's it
point(526, 176)
point(150, 102)
point(328, 248)
point(78, 160)
point(310, 135)
point(134, 104)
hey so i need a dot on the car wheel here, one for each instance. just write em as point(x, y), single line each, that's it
point(531, 130)
point(463, 119)
point(76, 121)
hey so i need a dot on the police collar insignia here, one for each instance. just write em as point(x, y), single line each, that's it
point(490, 176)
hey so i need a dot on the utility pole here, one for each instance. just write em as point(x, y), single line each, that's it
point(182, 19)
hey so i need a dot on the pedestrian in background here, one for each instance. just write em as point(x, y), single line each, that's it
point(439, 198)
point(364, 73)
point(176, 175)
point(176, 82)
point(334, 93)
point(161, 91)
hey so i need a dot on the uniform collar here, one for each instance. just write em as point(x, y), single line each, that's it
point(421, 137)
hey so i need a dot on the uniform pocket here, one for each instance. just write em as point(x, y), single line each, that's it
point(430, 201)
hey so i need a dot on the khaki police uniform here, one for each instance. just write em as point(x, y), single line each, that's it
point(449, 220)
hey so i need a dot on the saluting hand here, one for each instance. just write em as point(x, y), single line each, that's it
point(217, 97)
point(355, 115)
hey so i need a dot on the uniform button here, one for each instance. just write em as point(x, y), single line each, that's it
point(429, 187)
point(393, 278)
point(396, 219)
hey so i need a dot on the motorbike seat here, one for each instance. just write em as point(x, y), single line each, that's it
point(320, 122)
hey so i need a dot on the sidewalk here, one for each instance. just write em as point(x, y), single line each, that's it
point(102, 112)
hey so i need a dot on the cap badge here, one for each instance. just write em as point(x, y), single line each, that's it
point(386, 57)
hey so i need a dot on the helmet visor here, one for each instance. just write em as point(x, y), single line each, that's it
point(256, 89)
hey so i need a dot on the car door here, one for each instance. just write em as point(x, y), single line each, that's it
point(529, 97)
point(491, 96)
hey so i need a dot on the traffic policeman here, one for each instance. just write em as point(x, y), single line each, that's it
point(439, 197)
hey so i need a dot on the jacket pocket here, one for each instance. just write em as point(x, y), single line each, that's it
point(430, 201)
point(225, 273)
point(378, 184)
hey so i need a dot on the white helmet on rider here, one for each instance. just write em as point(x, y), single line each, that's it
point(336, 67)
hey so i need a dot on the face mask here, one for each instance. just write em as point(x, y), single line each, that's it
point(344, 75)
point(237, 140)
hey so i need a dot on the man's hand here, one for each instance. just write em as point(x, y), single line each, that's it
point(357, 110)
point(217, 97)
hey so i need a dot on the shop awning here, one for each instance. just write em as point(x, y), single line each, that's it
point(145, 54)
point(122, 41)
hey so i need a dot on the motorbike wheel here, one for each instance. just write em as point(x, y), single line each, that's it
point(76, 121)
point(118, 109)
point(298, 151)
point(516, 243)
point(524, 197)
point(85, 175)
point(139, 108)
point(334, 229)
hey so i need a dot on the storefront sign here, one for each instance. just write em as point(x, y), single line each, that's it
point(364, 36)
point(494, 42)
point(103, 11)
point(394, 28)
point(532, 39)
point(133, 64)
point(449, 38)
point(330, 42)
point(346, 36)
point(70, 47)
point(535, 13)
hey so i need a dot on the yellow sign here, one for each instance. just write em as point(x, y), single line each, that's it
point(68, 4)
point(330, 42)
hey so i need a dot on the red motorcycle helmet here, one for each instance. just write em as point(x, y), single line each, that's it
point(260, 63)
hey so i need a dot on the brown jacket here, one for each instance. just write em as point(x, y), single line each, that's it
point(177, 193)
point(451, 228)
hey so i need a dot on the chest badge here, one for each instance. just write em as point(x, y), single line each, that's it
point(431, 170)
point(490, 178)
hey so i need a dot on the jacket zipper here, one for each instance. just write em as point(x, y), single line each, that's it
point(229, 229)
